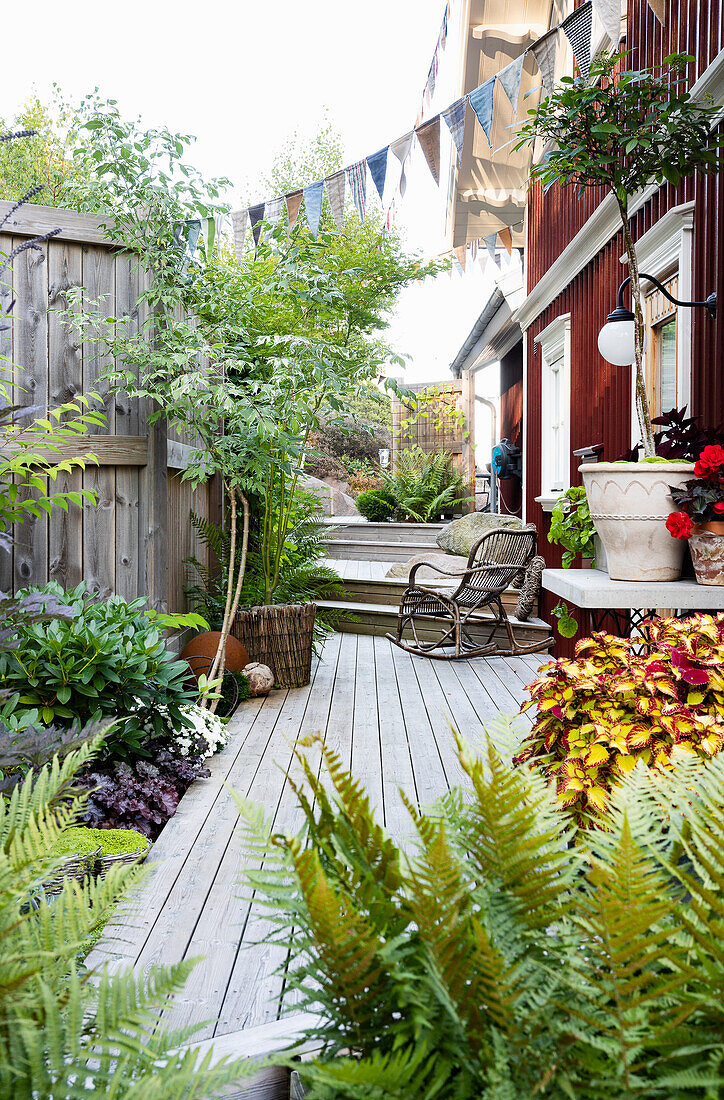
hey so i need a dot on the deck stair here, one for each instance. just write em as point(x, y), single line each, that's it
point(371, 600)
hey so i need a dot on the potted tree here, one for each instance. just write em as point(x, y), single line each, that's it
point(621, 130)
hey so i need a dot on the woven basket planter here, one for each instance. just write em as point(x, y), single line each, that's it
point(75, 867)
point(280, 636)
point(106, 862)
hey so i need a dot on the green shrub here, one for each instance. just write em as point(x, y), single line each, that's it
point(66, 1033)
point(79, 840)
point(609, 708)
point(572, 526)
point(493, 958)
point(376, 505)
point(425, 486)
point(109, 660)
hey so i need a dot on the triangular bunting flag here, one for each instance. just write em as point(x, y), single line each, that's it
point(313, 199)
point(429, 137)
point(544, 51)
point(377, 165)
point(609, 12)
point(460, 255)
point(509, 80)
point(239, 222)
point(335, 194)
point(357, 179)
point(473, 246)
point(577, 29)
point(455, 120)
point(256, 217)
point(490, 242)
point(658, 7)
point(401, 148)
point(506, 239)
point(272, 214)
point(273, 211)
point(294, 201)
point(481, 101)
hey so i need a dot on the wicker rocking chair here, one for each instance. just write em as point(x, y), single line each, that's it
point(497, 560)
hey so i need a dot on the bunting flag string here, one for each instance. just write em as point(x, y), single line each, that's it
point(377, 165)
point(239, 222)
point(294, 201)
point(335, 194)
point(577, 29)
point(455, 119)
point(256, 217)
point(609, 12)
point(509, 79)
point(402, 149)
point(313, 198)
point(357, 179)
point(428, 136)
point(544, 51)
point(481, 101)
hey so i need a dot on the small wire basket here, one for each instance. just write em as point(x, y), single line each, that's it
point(106, 862)
point(74, 867)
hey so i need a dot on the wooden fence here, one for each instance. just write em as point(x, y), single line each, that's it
point(134, 540)
point(447, 425)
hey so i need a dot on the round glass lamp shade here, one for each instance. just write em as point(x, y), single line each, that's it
point(617, 342)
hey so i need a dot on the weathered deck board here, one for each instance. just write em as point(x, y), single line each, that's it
point(384, 712)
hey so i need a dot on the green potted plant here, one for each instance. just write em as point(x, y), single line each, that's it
point(621, 130)
point(572, 527)
point(700, 518)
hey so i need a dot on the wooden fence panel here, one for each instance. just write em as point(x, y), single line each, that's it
point(134, 540)
point(442, 429)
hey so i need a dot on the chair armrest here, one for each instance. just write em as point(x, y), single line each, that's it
point(449, 573)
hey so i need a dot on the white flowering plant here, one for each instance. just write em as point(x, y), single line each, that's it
point(200, 735)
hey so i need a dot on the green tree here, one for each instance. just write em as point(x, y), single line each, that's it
point(622, 130)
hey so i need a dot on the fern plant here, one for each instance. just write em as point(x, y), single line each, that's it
point(302, 576)
point(425, 486)
point(494, 959)
point(64, 1032)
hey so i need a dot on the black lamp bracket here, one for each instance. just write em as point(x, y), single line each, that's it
point(709, 305)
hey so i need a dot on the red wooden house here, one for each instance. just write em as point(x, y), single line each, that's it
point(567, 396)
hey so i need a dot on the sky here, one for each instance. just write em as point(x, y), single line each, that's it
point(243, 78)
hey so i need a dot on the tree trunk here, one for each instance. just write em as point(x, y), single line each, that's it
point(642, 405)
point(230, 610)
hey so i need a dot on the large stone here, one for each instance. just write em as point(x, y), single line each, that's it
point(460, 536)
point(333, 499)
point(450, 562)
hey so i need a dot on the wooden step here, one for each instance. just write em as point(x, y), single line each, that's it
point(375, 550)
point(381, 619)
point(425, 533)
point(390, 591)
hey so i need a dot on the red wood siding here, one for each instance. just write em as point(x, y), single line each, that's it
point(600, 393)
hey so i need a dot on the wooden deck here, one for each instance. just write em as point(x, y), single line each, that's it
point(387, 714)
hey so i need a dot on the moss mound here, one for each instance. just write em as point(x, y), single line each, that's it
point(82, 841)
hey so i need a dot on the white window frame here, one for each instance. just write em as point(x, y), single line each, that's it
point(555, 350)
point(666, 249)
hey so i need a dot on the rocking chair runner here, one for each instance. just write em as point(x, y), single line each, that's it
point(495, 562)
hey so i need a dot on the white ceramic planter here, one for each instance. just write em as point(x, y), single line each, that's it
point(630, 503)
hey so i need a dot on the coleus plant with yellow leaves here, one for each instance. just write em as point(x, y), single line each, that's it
point(609, 708)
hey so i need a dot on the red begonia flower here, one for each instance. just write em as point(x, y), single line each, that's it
point(679, 525)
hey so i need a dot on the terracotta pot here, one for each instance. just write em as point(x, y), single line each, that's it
point(201, 650)
point(707, 552)
point(630, 503)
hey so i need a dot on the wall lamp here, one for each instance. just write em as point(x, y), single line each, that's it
point(617, 341)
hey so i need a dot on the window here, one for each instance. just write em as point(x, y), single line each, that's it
point(665, 251)
point(662, 376)
point(555, 348)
